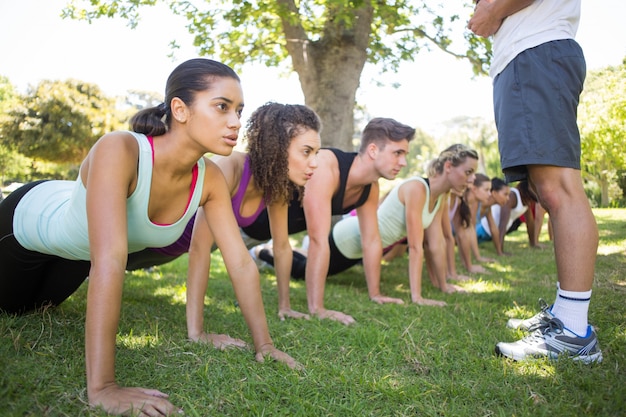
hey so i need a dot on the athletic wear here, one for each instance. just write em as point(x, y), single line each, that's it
point(538, 71)
point(543, 316)
point(553, 340)
point(496, 210)
point(540, 22)
point(44, 246)
point(391, 222)
point(52, 217)
point(159, 256)
point(237, 199)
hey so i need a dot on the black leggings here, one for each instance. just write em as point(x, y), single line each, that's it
point(338, 263)
point(30, 280)
point(147, 258)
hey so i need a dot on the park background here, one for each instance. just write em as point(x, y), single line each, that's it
point(436, 93)
point(398, 360)
point(38, 44)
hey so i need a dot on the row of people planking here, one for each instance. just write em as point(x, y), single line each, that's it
point(487, 210)
point(146, 196)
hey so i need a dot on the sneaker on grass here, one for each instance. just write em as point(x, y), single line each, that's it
point(551, 339)
point(543, 316)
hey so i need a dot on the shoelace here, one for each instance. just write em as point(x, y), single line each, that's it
point(552, 325)
point(543, 305)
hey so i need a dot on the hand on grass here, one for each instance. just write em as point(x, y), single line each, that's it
point(335, 315)
point(270, 351)
point(428, 302)
point(383, 299)
point(460, 277)
point(220, 341)
point(477, 269)
point(133, 401)
point(293, 314)
point(452, 288)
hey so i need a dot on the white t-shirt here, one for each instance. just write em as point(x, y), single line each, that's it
point(541, 22)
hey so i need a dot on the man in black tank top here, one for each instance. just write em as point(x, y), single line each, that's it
point(342, 182)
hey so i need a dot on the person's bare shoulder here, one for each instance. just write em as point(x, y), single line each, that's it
point(231, 167)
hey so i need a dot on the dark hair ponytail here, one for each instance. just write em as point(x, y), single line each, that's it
point(150, 121)
point(464, 212)
point(184, 82)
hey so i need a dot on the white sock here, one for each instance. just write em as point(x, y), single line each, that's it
point(571, 308)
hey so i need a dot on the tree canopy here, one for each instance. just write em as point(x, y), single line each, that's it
point(59, 121)
point(328, 41)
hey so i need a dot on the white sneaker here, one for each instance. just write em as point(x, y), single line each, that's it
point(551, 339)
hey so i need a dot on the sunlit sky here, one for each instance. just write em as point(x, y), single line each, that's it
point(36, 44)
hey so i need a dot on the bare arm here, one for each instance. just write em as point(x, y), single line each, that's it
point(108, 173)
point(372, 247)
point(436, 254)
point(317, 210)
point(534, 224)
point(197, 282)
point(283, 258)
point(505, 216)
point(242, 270)
point(464, 244)
point(446, 228)
point(413, 195)
point(495, 232)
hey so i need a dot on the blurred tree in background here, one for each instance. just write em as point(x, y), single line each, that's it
point(326, 42)
point(59, 121)
point(602, 121)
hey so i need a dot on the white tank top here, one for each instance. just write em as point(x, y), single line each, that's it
point(52, 217)
point(391, 222)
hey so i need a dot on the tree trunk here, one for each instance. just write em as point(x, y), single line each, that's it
point(329, 71)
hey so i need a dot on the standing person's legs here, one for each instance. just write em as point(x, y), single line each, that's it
point(535, 102)
point(561, 192)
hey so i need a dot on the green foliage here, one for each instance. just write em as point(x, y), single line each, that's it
point(239, 31)
point(328, 41)
point(59, 121)
point(396, 360)
point(422, 149)
point(7, 94)
point(480, 135)
point(602, 119)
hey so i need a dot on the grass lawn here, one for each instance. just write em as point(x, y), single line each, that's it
point(397, 360)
